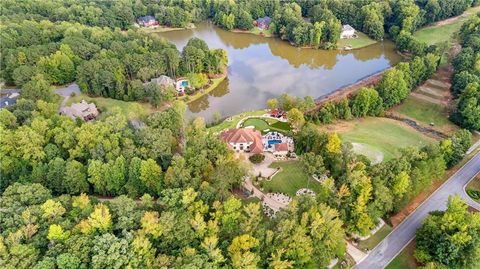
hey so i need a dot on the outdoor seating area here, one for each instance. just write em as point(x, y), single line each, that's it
point(280, 197)
point(305, 191)
point(277, 142)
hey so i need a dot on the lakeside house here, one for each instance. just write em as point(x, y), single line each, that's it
point(278, 113)
point(85, 111)
point(147, 21)
point(263, 23)
point(8, 99)
point(164, 81)
point(243, 140)
point(250, 140)
point(181, 85)
point(347, 31)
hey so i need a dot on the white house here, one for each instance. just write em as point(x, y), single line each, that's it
point(347, 31)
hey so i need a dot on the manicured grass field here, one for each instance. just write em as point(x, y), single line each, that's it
point(443, 32)
point(290, 179)
point(382, 134)
point(231, 122)
point(131, 110)
point(272, 125)
point(424, 112)
point(373, 241)
point(362, 41)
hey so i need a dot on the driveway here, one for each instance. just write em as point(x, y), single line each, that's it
point(381, 255)
point(65, 92)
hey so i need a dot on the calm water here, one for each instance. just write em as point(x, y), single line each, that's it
point(261, 68)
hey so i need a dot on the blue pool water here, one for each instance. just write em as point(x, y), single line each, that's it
point(274, 141)
point(184, 83)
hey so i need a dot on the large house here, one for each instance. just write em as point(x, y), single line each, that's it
point(81, 110)
point(243, 140)
point(164, 81)
point(147, 21)
point(347, 31)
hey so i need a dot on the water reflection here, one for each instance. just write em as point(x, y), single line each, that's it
point(262, 68)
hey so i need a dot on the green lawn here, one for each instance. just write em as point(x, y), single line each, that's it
point(231, 122)
point(424, 112)
point(200, 93)
point(373, 241)
point(444, 32)
point(474, 185)
point(131, 110)
point(362, 41)
point(267, 124)
point(382, 134)
point(290, 179)
point(405, 259)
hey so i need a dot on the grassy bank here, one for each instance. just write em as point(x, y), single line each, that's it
point(231, 122)
point(356, 43)
point(373, 240)
point(131, 110)
point(267, 124)
point(444, 30)
point(200, 93)
point(381, 134)
point(162, 29)
point(425, 112)
point(404, 259)
point(290, 179)
point(255, 31)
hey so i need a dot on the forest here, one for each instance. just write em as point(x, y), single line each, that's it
point(108, 194)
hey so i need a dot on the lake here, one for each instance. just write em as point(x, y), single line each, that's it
point(261, 68)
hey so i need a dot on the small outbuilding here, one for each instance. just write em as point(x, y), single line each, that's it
point(347, 31)
point(85, 111)
point(147, 21)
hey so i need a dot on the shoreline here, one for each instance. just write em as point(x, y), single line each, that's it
point(197, 95)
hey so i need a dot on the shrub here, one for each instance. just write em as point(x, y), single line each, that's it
point(474, 194)
point(257, 158)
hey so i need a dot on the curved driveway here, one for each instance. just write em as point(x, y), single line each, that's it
point(381, 255)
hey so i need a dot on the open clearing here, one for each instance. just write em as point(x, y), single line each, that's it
point(355, 43)
point(379, 134)
point(429, 103)
point(131, 110)
point(290, 179)
point(444, 30)
point(231, 122)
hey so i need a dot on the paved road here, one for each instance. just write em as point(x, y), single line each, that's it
point(65, 92)
point(381, 256)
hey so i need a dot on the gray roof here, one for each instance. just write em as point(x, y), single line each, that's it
point(145, 19)
point(83, 110)
point(347, 27)
point(163, 80)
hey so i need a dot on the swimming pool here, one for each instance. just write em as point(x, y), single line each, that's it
point(274, 141)
point(185, 83)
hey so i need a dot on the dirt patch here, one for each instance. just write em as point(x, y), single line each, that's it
point(375, 156)
point(349, 90)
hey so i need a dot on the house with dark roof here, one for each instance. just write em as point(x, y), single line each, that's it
point(263, 23)
point(243, 140)
point(8, 99)
point(147, 21)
